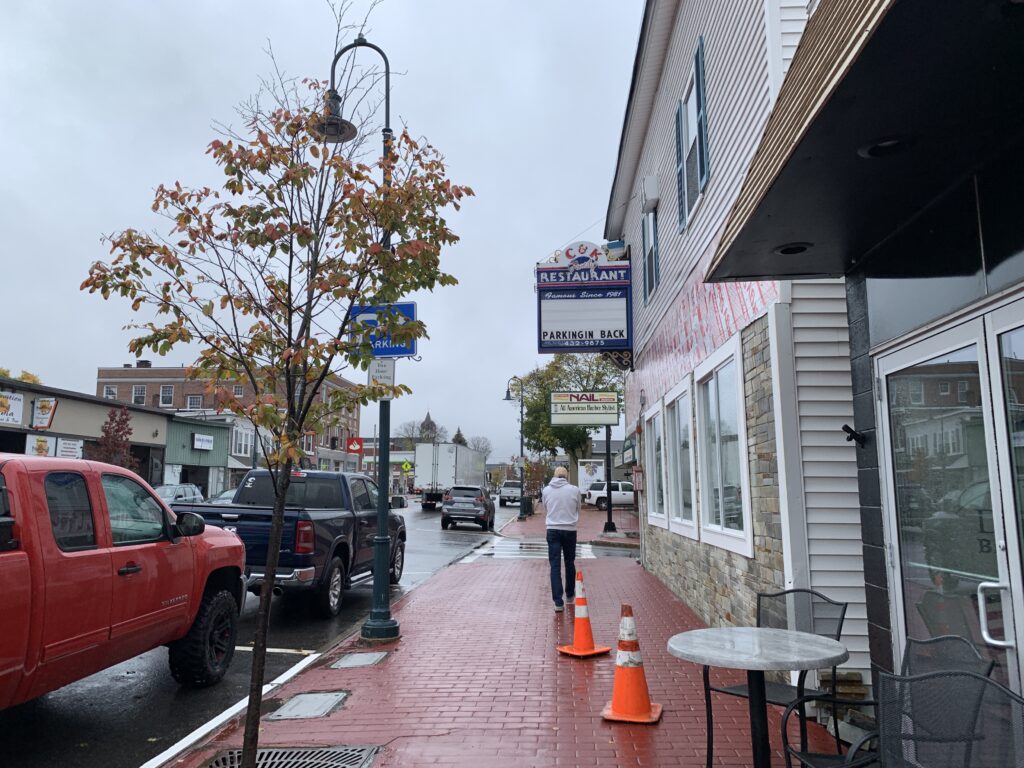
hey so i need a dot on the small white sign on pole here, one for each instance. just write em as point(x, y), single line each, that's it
point(382, 373)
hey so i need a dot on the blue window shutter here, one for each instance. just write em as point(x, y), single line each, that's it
point(643, 239)
point(703, 157)
point(680, 166)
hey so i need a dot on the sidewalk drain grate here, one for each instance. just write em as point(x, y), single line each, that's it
point(306, 705)
point(301, 757)
point(351, 660)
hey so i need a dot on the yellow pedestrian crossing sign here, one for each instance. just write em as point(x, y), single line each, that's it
point(406, 466)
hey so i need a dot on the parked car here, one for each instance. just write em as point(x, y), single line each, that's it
point(96, 570)
point(187, 493)
point(224, 497)
point(330, 523)
point(510, 492)
point(622, 494)
point(470, 503)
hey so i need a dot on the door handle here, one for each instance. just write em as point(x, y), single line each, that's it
point(983, 614)
point(124, 570)
point(363, 522)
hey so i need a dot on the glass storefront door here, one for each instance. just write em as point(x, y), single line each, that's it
point(947, 531)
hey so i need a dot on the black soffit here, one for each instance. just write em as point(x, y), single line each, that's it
point(935, 91)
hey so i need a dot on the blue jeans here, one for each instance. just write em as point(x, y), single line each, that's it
point(562, 544)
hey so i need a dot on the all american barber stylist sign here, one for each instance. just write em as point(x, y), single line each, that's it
point(584, 301)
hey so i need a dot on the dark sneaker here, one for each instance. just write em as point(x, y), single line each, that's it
point(559, 607)
point(570, 599)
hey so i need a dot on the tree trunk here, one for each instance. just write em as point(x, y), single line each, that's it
point(250, 741)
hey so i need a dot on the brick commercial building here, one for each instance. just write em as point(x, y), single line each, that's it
point(170, 388)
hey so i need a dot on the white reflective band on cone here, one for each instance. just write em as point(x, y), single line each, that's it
point(627, 628)
point(628, 659)
point(581, 611)
point(579, 590)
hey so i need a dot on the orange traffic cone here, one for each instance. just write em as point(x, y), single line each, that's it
point(582, 637)
point(630, 701)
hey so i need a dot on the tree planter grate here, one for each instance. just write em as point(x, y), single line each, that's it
point(301, 757)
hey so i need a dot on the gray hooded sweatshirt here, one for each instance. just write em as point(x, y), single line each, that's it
point(562, 504)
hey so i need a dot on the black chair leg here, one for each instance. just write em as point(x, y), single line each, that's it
point(710, 716)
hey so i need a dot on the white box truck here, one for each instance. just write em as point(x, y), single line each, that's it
point(439, 466)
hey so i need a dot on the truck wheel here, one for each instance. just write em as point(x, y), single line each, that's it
point(397, 563)
point(445, 523)
point(327, 598)
point(490, 523)
point(501, 502)
point(201, 658)
point(602, 504)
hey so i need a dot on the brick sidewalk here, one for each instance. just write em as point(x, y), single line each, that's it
point(476, 680)
point(590, 527)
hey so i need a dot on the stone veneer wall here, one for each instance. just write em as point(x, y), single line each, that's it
point(720, 586)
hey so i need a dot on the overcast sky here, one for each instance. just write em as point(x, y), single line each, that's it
point(101, 102)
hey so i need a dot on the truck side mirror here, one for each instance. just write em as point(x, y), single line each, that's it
point(190, 524)
point(399, 502)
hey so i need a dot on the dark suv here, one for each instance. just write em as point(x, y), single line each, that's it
point(468, 503)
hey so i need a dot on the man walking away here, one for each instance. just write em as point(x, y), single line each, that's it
point(562, 505)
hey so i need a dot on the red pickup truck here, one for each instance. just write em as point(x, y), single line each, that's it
point(95, 569)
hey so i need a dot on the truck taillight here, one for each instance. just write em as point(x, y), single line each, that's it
point(481, 499)
point(447, 497)
point(304, 539)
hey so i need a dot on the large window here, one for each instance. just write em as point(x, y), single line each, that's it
point(195, 402)
point(166, 395)
point(680, 461)
point(692, 157)
point(655, 448)
point(139, 394)
point(241, 440)
point(652, 267)
point(722, 451)
point(110, 392)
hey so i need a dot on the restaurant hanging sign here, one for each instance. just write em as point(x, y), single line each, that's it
point(584, 300)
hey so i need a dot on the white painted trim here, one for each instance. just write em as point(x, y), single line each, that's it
point(742, 543)
point(656, 410)
point(773, 41)
point(679, 526)
point(792, 511)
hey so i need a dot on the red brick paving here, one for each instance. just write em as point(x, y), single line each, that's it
point(476, 680)
point(589, 529)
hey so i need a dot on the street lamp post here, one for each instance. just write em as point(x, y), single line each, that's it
point(335, 130)
point(522, 468)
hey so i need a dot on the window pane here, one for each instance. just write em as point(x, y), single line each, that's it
point(732, 453)
point(709, 408)
point(360, 496)
point(67, 500)
point(657, 485)
point(1011, 361)
point(135, 516)
point(684, 480)
point(691, 119)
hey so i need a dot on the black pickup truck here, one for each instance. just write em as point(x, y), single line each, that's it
point(330, 521)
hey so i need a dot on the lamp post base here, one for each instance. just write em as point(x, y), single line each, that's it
point(380, 630)
point(609, 526)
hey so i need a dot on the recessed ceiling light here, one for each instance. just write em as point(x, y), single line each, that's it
point(792, 249)
point(887, 147)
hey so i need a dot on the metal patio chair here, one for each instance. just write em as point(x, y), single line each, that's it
point(810, 611)
point(949, 653)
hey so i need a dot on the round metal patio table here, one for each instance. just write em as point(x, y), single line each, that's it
point(757, 650)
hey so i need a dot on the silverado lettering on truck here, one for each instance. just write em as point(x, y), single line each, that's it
point(95, 569)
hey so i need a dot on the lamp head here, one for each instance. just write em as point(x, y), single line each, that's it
point(508, 394)
point(334, 129)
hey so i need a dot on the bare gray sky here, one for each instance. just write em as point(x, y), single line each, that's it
point(102, 102)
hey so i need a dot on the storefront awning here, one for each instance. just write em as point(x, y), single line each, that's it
point(886, 105)
point(234, 463)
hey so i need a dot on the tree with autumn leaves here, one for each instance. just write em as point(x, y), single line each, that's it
point(260, 277)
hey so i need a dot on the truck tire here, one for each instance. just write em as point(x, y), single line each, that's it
point(327, 597)
point(501, 502)
point(397, 563)
point(602, 504)
point(202, 657)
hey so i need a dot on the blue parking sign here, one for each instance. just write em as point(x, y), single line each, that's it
point(371, 317)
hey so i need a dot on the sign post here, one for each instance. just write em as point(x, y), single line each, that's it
point(381, 625)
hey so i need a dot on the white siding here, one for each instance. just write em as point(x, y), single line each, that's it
point(824, 395)
point(736, 76)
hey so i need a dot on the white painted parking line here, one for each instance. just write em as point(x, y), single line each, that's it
point(296, 651)
point(206, 728)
